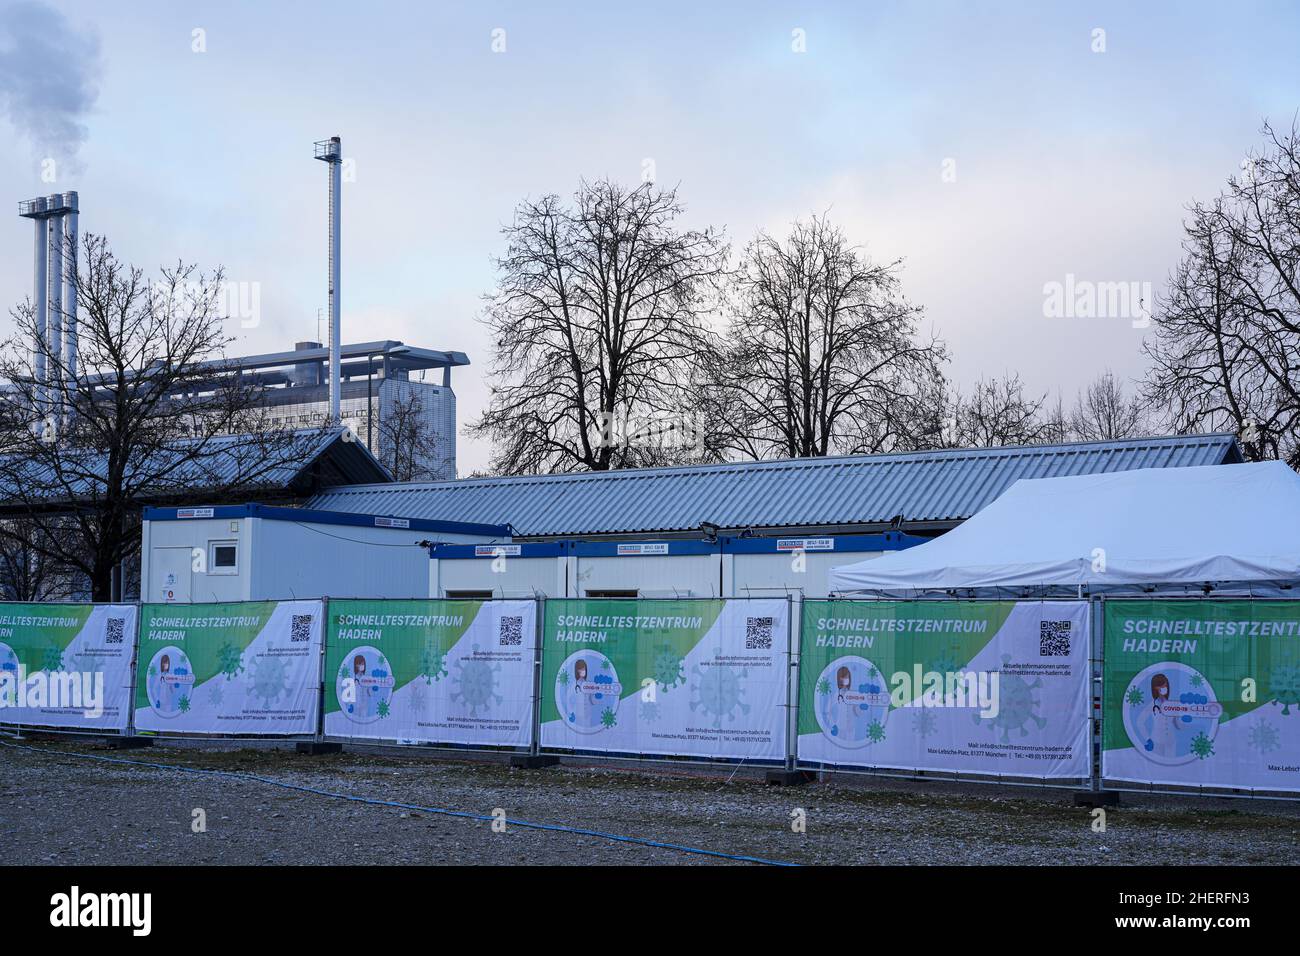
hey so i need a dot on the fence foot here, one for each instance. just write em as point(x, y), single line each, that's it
point(533, 761)
point(314, 748)
point(127, 743)
point(786, 778)
point(1097, 798)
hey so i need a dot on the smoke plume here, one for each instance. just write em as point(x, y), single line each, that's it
point(48, 78)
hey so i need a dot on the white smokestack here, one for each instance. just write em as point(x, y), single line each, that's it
point(35, 210)
point(70, 201)
point(54, 321)
point(331, 151)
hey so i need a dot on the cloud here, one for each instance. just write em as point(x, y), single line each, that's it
point(49, 75)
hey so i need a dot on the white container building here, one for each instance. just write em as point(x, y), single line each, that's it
point(256, 552)
point(728, 567)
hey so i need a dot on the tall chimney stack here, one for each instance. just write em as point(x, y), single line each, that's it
point(70, 203)
point(331, 152)
point(35, 209)
point(54, 300)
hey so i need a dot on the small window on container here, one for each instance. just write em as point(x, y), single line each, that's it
point(223, 557)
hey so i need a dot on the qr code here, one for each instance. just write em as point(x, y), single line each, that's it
point(300, 628)
point(512, 630)
point(114, 629)
point(1054, 639)
point(758, 633)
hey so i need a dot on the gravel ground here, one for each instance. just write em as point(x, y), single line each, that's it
point(63, 810)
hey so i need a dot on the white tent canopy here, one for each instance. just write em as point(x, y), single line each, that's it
point(1160, 527)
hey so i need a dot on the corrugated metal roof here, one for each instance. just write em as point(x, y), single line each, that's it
point(324, 457)
point(936, 487)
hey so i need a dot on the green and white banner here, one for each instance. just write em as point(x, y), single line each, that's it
point(66, 665)
point(1203, 693)
point(247, 668)
point(986, 687)
point(689, 677)
point(458, 672)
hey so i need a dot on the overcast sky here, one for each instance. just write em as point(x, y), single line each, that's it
point(989, 145)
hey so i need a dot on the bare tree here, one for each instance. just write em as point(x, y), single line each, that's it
point(25, 573)
point(599, 327)
point(143, 417)
point(1103, 412)
point(1227, 333)
point(996, 412)
point(822, 353)
point(1056, 426)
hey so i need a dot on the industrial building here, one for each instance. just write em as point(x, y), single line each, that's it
point(384, 398)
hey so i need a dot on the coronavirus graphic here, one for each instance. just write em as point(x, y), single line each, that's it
point(183, 704)
point(230, 659)
point(562, 678)
point(875, 731)
point(381, 708)
point(823, 687)
point(1284, 686)
point(475, 682)
point(649, 710)
point(433, 662)
point(1017, 704)
point(1263, 736)
point(668, 667)
point(268, 680)
point(216, 695)
point(948, 662)
point(719, 691)
point(1202, 746)
point(52, 659)
point(89, 663)
point(924, 722)
point(1135, 696)
point(1197, 680)
point(419, 696)
point(608, 718)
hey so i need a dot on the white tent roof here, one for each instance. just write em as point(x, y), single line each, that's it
point(1156, 526)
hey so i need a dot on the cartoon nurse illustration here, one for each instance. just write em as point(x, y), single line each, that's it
point(166, 686)
point(583, 702)
point(842, 710)
point(362, 693)
point(1162, 727)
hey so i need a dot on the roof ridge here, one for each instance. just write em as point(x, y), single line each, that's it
point(820, 461)
point(850, 492)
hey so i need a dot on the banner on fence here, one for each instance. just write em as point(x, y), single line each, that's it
point(996, 687)
point(704, 678)
point(248, 668)
point(458, 672)
point(66, 665)
point(1203, 693)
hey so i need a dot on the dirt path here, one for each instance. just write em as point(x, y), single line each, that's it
point(63, 810)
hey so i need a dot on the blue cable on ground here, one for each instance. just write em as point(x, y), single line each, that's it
point(553, 827)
